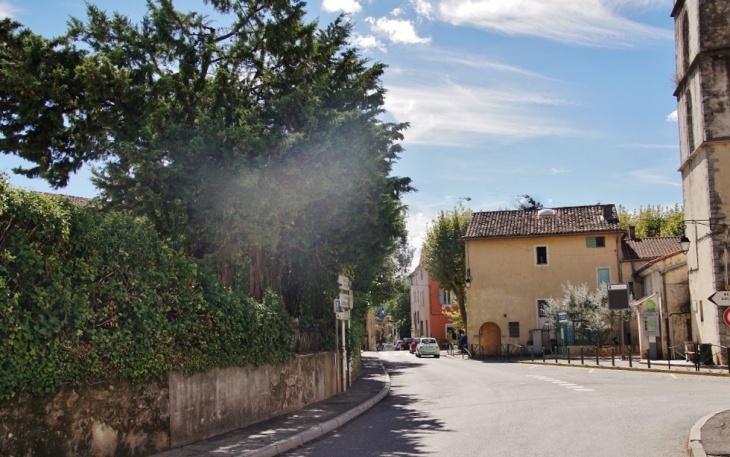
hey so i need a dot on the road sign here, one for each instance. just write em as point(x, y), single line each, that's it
point(720, 298)
point(726, 317)
point(618, 296)
point(343, 316)
point(562, 317)
point(345, 302)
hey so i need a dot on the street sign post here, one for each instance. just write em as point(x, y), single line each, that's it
point(618, 296)
point(726, 317)
point(720, 298)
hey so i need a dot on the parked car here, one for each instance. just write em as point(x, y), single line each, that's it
point(405, 343)
point(387, 346)
point(399, 345)
point(428, 346)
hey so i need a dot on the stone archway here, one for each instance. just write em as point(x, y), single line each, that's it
point(490, 336)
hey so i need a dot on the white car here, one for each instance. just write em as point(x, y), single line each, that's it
point(428, 346)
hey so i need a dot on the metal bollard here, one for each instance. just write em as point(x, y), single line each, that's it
point(629, 356)
point(568, 355)
point(596, 355)
point(669, 363)
point(613, 357)
point(543, 354)
point(555, 351)
point(582, 359)
point(532, 353)
point(697, 357)
point(648, 358)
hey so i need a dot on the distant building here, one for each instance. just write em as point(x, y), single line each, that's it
point(428, 301)
point(702, 56)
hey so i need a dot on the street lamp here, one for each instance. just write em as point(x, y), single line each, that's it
point(684, 244)
point(468, 278)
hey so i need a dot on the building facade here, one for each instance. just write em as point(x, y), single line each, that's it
point(428, 303)
point(702, 56)
point(519, 259)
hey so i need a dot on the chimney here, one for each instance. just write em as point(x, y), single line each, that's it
point(632, 232)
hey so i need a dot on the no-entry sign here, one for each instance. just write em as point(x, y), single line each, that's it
point(726, 317)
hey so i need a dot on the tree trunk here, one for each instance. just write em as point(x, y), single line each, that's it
point(256, 275)
point(461, 300)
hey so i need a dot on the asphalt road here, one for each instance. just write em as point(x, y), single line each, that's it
point(456, 407)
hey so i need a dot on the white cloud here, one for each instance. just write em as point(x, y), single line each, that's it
point(558, 171)
point(454, 115)
point(346, 6)
point(7, 10)
point(397, 12)
point(367, 42)
point(579, 22)
point(397, 30)
point(672, 117)
point(423, 8)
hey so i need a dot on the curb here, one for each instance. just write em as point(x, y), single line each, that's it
point(640, 369)
point(287, 444)
point(695, 436)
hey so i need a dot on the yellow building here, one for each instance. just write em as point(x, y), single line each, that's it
point(518, 259)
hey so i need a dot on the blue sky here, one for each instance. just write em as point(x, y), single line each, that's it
point(569, 101)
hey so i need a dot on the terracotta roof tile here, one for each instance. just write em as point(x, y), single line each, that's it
point(78, 201)
point(649, 248)
point(564, 221)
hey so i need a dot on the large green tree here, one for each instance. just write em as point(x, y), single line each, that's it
point(256, 144)
point(443, 253)
point(653, 221)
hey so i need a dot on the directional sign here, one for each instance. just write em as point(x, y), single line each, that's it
point(562, 317)
point(726, 317)
point(720, 298)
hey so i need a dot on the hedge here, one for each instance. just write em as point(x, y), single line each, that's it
point(87, 296)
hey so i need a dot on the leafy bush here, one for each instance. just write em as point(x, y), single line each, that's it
point(86, 296)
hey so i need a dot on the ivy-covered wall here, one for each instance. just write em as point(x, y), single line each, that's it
point(87, 297)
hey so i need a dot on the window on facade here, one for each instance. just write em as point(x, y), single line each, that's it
point(514, 329)
point(689, 122)
point(604, 276)
point(541, 304)
point(421, 275)
point(445, 297)
point(647, 286)
point(596, 242)
point(685, 42)
point(541, 255)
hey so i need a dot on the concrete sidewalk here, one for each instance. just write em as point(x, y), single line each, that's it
point(286, 432)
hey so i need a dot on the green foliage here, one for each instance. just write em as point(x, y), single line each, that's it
point(256, 145)
point(444, 254)
point(653, 221)
point(399, 308)
point(88, 296)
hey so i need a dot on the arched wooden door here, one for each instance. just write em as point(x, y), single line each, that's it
point(490, 336)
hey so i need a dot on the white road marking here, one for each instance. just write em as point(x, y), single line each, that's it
point(558, 382)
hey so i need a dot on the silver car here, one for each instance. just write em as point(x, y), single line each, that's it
point(428, 346)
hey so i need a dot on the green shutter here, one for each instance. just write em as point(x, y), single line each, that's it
point(591, 242)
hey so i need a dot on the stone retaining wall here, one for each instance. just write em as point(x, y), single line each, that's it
point(115, 419)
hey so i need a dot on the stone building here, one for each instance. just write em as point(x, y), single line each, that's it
point(702, 54)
